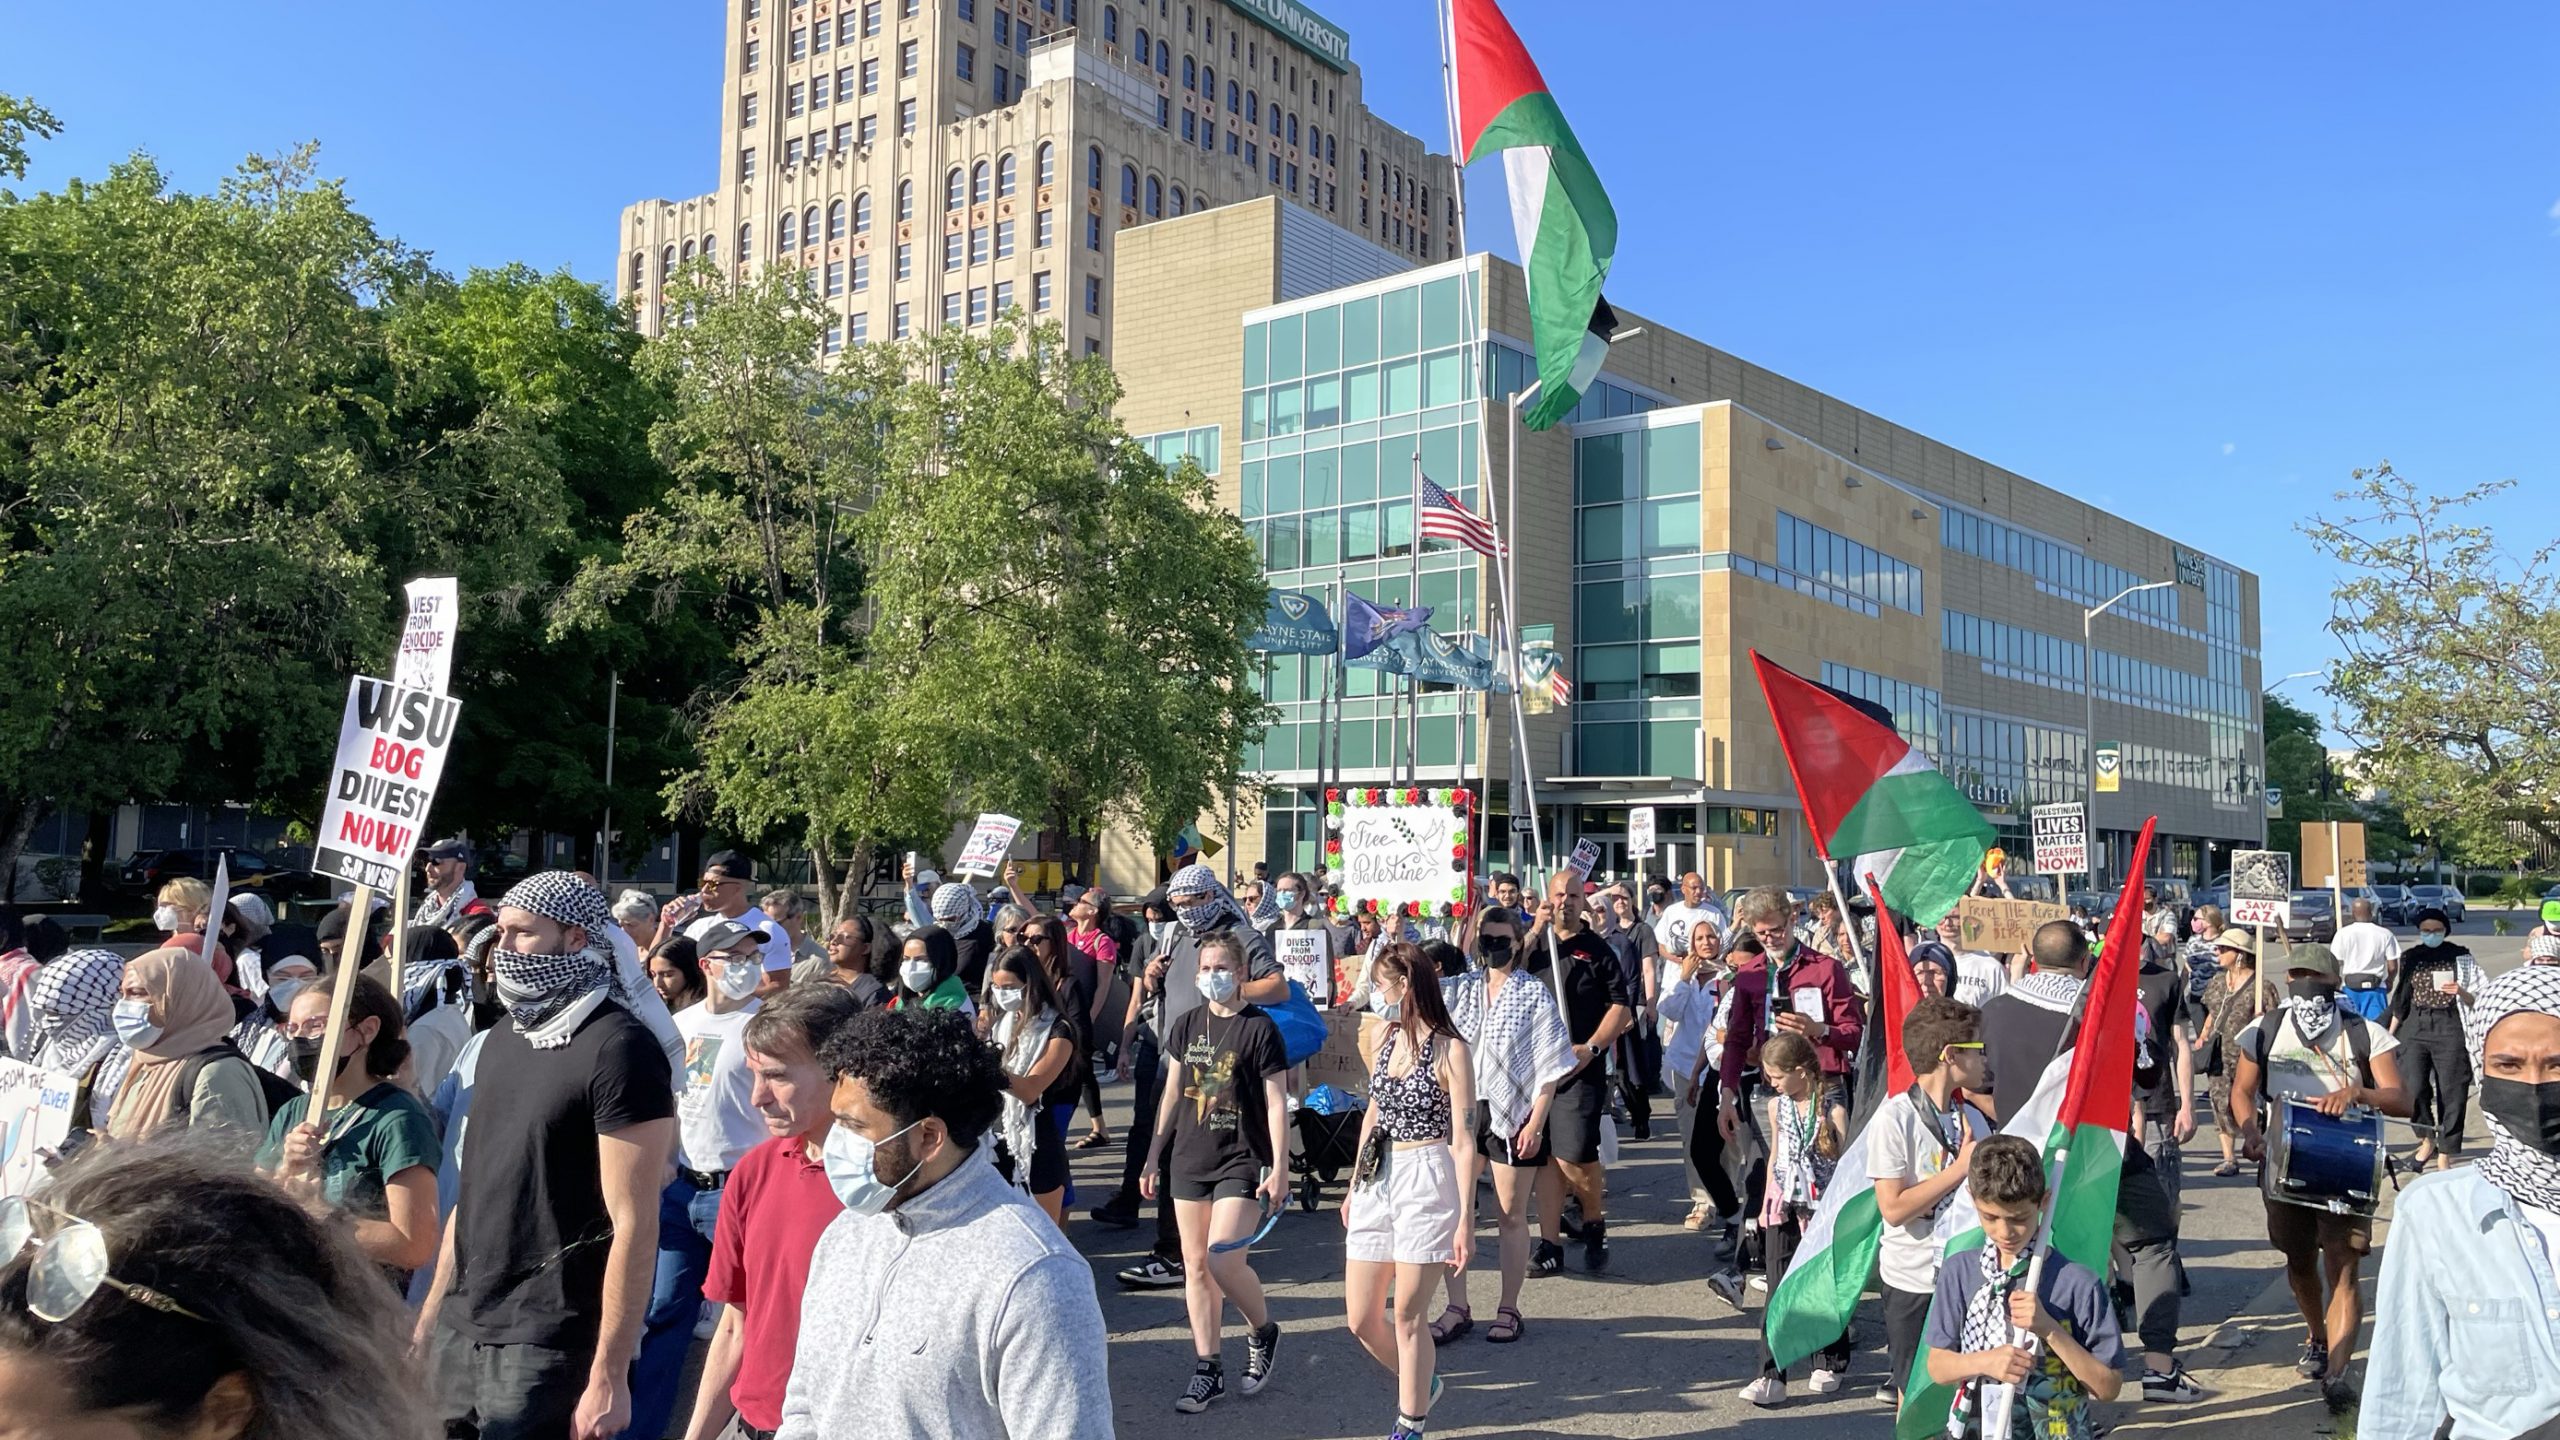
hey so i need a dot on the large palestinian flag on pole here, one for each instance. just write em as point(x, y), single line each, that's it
point(1872, 799)
point(1819, 1296)
point(2079, 1115)
point(1567, 230)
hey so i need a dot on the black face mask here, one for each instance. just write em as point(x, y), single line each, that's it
point(2531, 1113)
point(1497, 951)
point(306, 1057)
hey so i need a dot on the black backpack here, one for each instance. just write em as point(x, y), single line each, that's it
point(279, 1091)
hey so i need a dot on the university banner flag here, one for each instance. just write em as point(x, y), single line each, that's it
point(1873, 799)
point(1567, 230)
point(1295, 624)
point(2078, 1116)
point(1365, 627)
point(1836, 1257)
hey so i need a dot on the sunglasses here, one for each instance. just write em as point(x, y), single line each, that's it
point(70, 1264)
point(1965, 1045)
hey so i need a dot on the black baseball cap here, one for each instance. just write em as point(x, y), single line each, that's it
point(448, 850)
point(731, 864)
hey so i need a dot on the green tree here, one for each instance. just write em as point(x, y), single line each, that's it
point(957, 584)
point(2294, 757)
point(2451, 686)
point(19, 119)
point(215, 467)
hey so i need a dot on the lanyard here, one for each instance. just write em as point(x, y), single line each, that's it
point(1946, 1124)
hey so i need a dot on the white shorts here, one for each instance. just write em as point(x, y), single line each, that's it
point(1409, 1214)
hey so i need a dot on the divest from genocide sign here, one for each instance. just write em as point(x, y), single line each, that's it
point(392, 745)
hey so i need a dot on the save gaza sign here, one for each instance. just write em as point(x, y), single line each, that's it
point(1303, 28)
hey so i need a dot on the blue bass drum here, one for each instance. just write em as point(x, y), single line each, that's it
point(2324, 1163)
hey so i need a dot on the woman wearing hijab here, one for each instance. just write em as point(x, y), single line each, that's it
point(174, 1015)
point(2467, 1277)
point(927, 973)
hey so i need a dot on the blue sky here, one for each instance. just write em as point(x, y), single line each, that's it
point(2194, 261)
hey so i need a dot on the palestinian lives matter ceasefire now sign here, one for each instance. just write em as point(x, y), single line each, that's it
point(2062, 839)
point(392, 745)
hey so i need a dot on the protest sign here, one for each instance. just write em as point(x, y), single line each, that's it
point(985, 852)
point(1640, 833)
point(1303, 957)
point(392, 745)
point(35, 1117)
point(1405, 847)
point(1339, 1064)
point(2062, 839)
point(2262, 887)
point(2333, 854)
point(2001, 926)
point(425, 660)
point(1586, 853)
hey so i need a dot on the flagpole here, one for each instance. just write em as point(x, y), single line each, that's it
point(1413, 598)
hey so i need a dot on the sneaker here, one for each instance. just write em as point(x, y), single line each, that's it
point(2175, 1388)
point(1157, 1273)
point(1766, 1391)
point(1595, 1244)
point(1727, 1284)
point(1404, 1431)
point(1824, 1382)
point(1546, 1257)
point(1760, 1283)
point(708, 1322)
point(2314, 1361)
point(1206, 1385)
point(1570, 1221)
point(1115, 1215)
point(1699, 1216)
point(1259, 1347)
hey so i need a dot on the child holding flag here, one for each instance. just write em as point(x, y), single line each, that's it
point(1981, 1303)
point(1806, 1123)
point(1920, 1147)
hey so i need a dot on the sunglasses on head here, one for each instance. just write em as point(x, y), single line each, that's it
point(69, 1264)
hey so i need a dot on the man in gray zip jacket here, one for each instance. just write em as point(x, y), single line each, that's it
point(942, 1302)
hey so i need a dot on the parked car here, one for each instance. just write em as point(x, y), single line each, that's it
point(2394, 905)
point(2447, 898)
point(147, 870)
point(2314, 917)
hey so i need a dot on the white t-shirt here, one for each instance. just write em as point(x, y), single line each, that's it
point(1671, 932)
point(2365, 950)
point(2297, 1070)
point(1902, 1141)
point(1979, 976)
point(716, 1119)
point(777, 946)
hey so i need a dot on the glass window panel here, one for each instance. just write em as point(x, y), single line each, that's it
point(1320, 484)
point(1324, 340)
point(1606, 663)
point(1250, 502)
point(1608, 749)
point(1287, 343)
point(1286, 416)
point(1285, 683)
point(1442, 322)
point(1324, 537)
point(1671, 527)
point(1360, 737)
point(1256, 411)
point(1600, 469)
point(1439, 740)
point(1254, 349)
point(1399, 318)
point(1284, 550)
point(1280, 484)
point(1671, 606)
point(1671, 465)
point(1360, 331)
point(1670, 747)
point(1395, 526)
point(1324, 403)
point(1440, 458)
point(1606, 612)
point(1604, 537)
point(1360, 471)
point(1441, 375)
point(1440, 592)
point(1360, 395)
point(1404, 387)
point(1360, 532)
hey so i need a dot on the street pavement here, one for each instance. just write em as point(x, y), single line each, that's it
point(1645, 1349)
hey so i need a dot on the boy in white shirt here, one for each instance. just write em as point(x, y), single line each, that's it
point(1919, 1149)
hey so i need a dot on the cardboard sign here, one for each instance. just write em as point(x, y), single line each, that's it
point(425, 658)
point(2062, 839)
point(1339, 1064)
point(2002, 926)
point(1304, 956)
point(35, 1117)
point(1640, 833)
point(1586, 853)
point(1401, 854)
point(2333, 853)
point(2262, 887)
point(392, 745)
point(985, 852)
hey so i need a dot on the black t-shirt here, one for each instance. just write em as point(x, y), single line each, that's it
point(2163, 994)
point(1593, 980)
point(532, 1237)
point(2019, 1039)
point(1220, 1125)
point(975, 947)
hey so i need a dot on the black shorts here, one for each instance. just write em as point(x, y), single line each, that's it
point(1573, 1123)
point(1497, 1148)
point(1224, 1185)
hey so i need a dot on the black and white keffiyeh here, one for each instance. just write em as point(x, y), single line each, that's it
point(72, 1000)
point(1205, 917)
point(548, 995)
point(2523, 1172)
point(956, 908)
point(442, 910)
point(2053, 990)
point(1518, 1043)
point(1986, 1311)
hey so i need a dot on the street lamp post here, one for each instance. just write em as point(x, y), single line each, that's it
point(2089, 706)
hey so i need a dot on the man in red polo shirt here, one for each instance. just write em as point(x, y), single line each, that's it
point(772, 1211)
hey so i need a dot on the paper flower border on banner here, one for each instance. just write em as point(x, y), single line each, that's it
point(1338, 800)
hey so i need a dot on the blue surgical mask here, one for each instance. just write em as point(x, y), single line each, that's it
point(1218, 986)
point(848, 1159)
point(2430, 937)
point(133, 1023)
point(280, 993)
point(1384, 1008)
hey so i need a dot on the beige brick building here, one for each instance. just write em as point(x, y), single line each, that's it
point(1696, 507)
point(933, 162)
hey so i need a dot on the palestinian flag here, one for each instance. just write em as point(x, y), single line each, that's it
point(1837, 1256)
point(1567, 230)
point(1873, 799)
point(2079, 1115)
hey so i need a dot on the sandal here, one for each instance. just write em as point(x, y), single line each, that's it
point(1507, 1326)
point(2226, 1169)
point(1094, 1140)
point(1443, 1330)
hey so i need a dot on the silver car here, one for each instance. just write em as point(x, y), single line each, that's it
point(2442, 897)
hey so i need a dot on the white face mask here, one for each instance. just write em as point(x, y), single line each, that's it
point(849, 1163)
point(1218, 986)
point(917, 976)
point(168, 919)
point(280, 993)
point(133, 1023)
point(739, 978)
point(1007, 998)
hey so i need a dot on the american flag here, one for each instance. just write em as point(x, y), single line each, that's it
point(1443, 518)
point(1559, 687)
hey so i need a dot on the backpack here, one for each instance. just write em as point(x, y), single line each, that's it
point(2359, 1041)
point(278, 1091)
